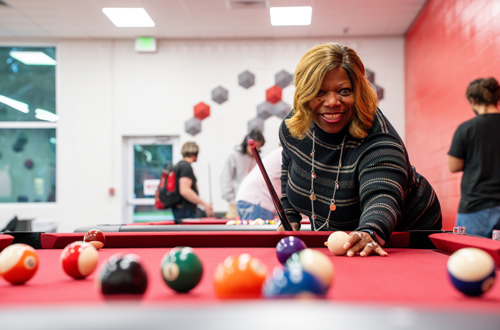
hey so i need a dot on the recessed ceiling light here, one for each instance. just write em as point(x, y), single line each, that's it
point(32, 58)
point(129, 17)
point(281, 16)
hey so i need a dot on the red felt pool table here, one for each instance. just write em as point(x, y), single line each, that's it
point(409, 289)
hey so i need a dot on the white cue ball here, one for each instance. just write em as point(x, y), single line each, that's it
point(336, 242)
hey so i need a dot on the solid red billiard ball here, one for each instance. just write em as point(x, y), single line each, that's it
point(95, 237)
point(240, 277)
point(79, 259)
point(18, 263)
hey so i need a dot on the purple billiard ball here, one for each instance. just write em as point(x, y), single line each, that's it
point(288, 246)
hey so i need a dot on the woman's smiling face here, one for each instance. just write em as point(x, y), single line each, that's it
point(333, 106)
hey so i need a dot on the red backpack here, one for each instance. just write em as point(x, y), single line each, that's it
point(167, 194)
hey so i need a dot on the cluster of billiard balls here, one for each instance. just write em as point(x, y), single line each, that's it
point(303, 271)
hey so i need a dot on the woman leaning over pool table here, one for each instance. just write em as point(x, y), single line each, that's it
point(344, 165)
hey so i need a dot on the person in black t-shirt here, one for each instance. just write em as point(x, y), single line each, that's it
point(475, 150)
point(187, 186)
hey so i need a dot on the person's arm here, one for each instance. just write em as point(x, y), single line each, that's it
point(383, 180)
point(458, 151)
point(191, 196)
point(455, 164)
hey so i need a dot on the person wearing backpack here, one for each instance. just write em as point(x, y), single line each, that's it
point(187, 186)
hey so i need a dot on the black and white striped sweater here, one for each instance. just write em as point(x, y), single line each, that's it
point(378, 190)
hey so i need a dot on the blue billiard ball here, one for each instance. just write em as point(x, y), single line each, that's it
point(288, 246)
point(292, 282)
point(471, 271)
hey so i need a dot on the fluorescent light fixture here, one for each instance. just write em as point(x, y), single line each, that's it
point(281, 16)
point(46, 115)
point(23, 107)
point(32, 58)
point(129, 17)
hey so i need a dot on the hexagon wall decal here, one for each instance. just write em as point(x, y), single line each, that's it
point(246, 79)
point(273, 94)
point(201, 110)
point(193, 126)
point(283, 79)
point(219, 95)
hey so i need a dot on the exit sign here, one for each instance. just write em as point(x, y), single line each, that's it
point(145, 45)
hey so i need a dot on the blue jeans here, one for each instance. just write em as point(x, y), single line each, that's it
point(183, 213)
point(248, 211)
point(480, 223)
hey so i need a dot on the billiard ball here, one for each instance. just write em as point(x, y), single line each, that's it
point(257, 221)
point(18, 263)
point(288, 246)
point(292, 282)
point(315, 263)
point(240, 277)
point(471, 271)
point(95, 237)
point(336, 242)
point(181, 269)
point(122, 274)
point(79, 259)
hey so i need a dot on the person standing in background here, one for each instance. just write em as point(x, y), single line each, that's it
point(188, 188)
point(253, 199)
point(238, 164)
point(475, 150)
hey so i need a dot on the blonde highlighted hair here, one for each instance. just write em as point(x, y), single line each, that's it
point(309, 75)
point(190, 149)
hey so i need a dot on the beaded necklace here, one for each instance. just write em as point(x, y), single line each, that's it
point(312, 195)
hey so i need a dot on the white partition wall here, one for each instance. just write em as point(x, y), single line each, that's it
point(107, 91)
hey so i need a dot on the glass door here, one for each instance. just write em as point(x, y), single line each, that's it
point(145, 157)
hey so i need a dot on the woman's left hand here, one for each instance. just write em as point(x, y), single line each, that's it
point(359, 241)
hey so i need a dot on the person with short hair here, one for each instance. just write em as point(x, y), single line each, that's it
point(238, 164)
point(188, 188)
point(475, 151)
point(344, 164)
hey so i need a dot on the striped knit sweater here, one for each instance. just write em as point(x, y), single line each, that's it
point(378, 190)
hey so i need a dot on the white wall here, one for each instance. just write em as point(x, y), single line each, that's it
point(106, 90)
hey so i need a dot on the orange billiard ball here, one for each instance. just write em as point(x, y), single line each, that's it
point(18, 263)
point(240, 277)
point(95, 237)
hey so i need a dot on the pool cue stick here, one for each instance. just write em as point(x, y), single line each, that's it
point(277, 203)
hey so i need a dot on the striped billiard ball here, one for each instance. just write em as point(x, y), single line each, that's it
point(79, 259)
point(18, 263)
point(471, 271)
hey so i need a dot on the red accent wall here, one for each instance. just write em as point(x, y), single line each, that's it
point(451, 43)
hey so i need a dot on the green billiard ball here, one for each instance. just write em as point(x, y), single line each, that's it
point(181, 269)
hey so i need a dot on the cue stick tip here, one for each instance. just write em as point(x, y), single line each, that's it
point(251, 143)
